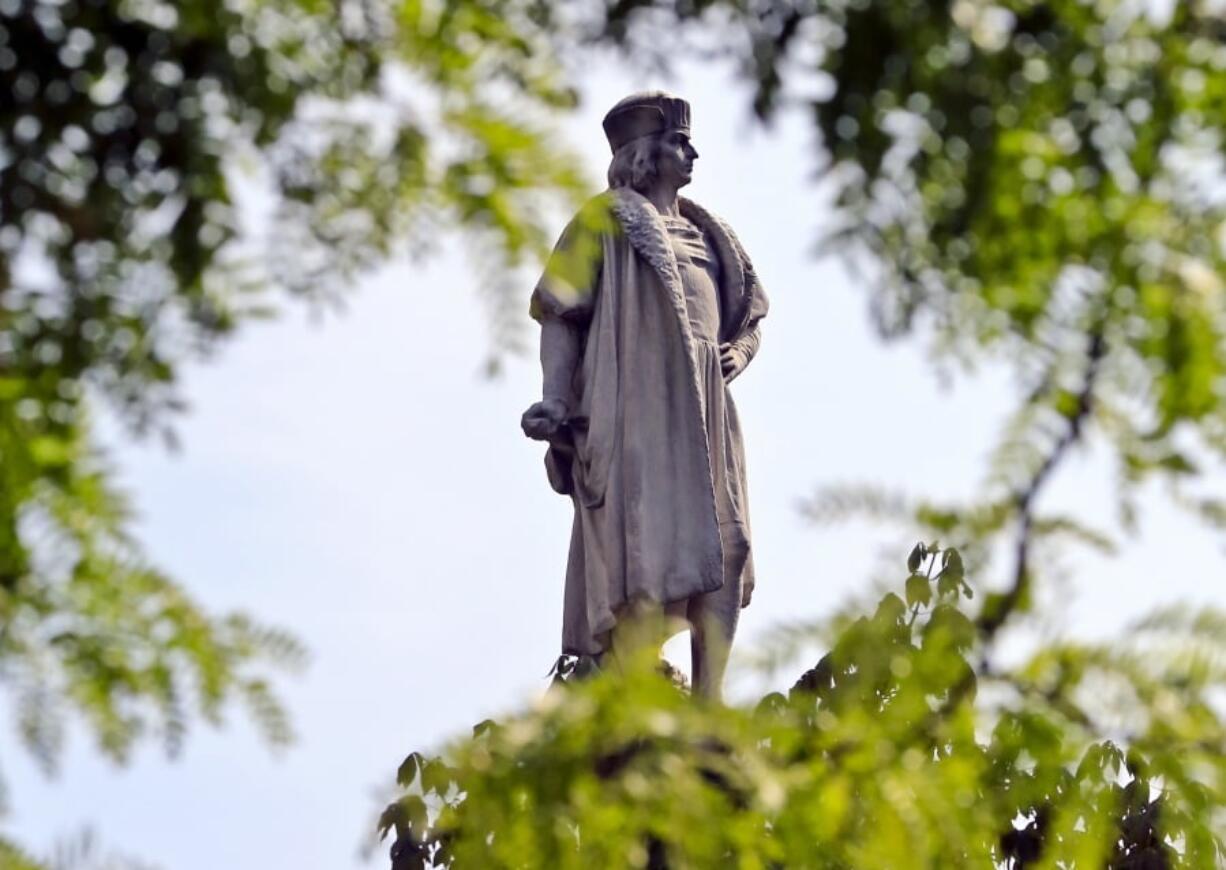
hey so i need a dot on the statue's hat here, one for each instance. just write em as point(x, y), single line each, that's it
point(643, 114)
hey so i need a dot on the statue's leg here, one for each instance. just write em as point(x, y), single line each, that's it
point(642, 628)
point(713, 619)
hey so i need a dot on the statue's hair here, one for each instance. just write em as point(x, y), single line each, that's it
point(634, 164)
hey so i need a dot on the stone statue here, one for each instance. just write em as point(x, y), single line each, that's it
point(648, 308)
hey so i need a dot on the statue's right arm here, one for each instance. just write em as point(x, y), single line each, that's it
point(562, 303)
point(559, 356)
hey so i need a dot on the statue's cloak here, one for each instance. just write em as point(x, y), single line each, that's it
point(636, 463)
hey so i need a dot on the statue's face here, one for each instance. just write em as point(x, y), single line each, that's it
point(675, 159)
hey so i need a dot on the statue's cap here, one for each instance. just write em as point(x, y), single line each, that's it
point(643, 114)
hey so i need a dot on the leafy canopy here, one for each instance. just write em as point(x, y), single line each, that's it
point(898, 749)
point(1026, 181)
point(166, 169)
point(1033, 182)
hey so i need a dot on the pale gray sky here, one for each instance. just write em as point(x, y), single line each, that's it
point(357, 481)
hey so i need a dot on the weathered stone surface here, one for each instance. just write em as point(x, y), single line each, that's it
point(649, 308)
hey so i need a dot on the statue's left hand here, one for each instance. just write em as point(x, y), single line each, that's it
point(731, 360)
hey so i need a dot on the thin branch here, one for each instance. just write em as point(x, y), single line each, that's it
point(992, 618)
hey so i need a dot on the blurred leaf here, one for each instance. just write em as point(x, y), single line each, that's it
point(919, 590)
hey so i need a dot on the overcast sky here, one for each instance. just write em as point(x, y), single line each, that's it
point(357, 480)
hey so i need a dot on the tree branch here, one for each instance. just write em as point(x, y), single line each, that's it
point(993, 617)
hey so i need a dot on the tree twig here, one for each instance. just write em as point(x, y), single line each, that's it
point(993, 617)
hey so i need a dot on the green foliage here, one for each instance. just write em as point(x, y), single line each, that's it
point(1036, 182)
point(165, 170)
point(13, 858)
point(1032, 181)
point(82, 852)
point(900, 748)
point(368, 127)
point(91, 628)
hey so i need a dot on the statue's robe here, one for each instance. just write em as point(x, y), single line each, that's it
point(636, 461)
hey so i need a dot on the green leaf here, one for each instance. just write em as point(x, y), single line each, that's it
point(436, 776)
point(919, 590)
point(890, 611)
point(953, 563)
point(407, 773)
point(49, 451)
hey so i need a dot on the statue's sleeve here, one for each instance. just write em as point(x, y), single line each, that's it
point(568, 287)
point(750, 338)
point(749, 343)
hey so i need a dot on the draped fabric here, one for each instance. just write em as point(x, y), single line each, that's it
point(698, 267)
point(656, 470)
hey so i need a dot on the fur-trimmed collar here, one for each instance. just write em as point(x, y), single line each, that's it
point(645, 230)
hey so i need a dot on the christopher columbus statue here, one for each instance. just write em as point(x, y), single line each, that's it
point(649, 308)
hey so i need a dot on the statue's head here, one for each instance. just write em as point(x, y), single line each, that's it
point(649, 133)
